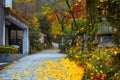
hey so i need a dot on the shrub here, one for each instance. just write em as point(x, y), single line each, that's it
point(48, 45)
point(36, 46)
point(116, 76)
point(101, 64)
point(8, 50)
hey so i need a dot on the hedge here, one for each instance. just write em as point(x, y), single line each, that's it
point(8, 50)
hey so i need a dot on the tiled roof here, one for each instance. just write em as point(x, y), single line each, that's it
point(12, 12)
point(106, 28)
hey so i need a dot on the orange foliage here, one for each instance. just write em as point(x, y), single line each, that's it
point(51, 16)
point(99, 76)
point(35, 20)
point(76, 15)
point(50, 12)
point(68, 16)
point(76, 8)
point(79, 10)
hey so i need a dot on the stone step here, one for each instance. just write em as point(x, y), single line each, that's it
point(3, 64)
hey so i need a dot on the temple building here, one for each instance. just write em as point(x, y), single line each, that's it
point(13, 28)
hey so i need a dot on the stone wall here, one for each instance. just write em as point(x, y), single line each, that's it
point(10, 57)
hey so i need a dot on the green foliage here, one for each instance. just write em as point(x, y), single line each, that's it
point(68, 34)
point(48, 45)
point(45, 24)
point(82, 23)
point(8, 50)
point(73, 52)
point(34, 34)
point(56, 39)
point(36, 46)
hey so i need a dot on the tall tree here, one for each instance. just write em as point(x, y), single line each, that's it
point(92, 15)
point(45, 25)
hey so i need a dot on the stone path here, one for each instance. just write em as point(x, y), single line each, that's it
point(46, 65)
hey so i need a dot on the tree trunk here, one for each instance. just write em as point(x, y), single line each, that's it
point(72, 14)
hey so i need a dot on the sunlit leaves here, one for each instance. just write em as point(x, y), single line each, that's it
point(44, 9)
point(35, 20)
point(79, 0)
point(103, 0)
point(55, 28)
point(51, 16)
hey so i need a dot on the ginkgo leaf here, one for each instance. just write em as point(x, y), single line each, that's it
point(12, 76)
point(26, 72)
point(79, 0)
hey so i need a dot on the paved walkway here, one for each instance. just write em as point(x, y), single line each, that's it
point(36, 67)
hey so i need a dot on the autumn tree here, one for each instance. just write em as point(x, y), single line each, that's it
point(25, 8)
point(62, 10)
point(59, 10)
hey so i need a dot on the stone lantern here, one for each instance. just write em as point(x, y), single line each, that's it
point(104, 34)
